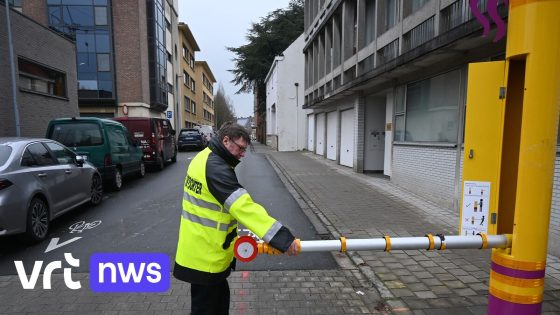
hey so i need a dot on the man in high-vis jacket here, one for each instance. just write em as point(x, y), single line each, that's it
point(213, 204)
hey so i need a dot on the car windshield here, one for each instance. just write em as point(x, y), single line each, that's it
point(77, 134)
point(5, 152)
point(189, 133)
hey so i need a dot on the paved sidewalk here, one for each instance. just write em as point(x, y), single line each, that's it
point(413, 281)
point(253, 293)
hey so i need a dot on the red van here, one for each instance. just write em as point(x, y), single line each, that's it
point(156, 136)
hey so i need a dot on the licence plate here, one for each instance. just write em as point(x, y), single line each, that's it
point(138, 134)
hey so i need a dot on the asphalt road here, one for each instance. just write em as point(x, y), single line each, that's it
point(144, 217)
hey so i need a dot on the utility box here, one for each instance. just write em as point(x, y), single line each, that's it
point(484, 130)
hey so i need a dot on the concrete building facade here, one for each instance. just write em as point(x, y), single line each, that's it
point(45, 76)
point(286, 120)
point(386, 81)
point(204, 94)
point(189, 47)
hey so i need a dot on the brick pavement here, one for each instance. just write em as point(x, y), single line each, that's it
point(412, 281)
point(253, 292)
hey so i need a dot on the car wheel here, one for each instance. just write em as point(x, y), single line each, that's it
point(142, 171)
point(160, 162)
point(37, 220)
point(118, 180)
point(96, 190)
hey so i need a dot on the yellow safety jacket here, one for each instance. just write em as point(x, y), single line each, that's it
point(213, 203)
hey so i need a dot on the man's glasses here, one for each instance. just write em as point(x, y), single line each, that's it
point(241, 148)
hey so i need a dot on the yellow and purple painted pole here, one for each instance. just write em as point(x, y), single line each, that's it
point(533, 86)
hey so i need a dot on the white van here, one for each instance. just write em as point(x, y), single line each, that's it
point(207, 131)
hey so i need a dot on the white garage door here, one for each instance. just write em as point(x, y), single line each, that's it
point(310, 132)
point(320, 144)
point(347, 138)
point(332, 118)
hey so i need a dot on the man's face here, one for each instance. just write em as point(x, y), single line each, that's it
point(236, 147)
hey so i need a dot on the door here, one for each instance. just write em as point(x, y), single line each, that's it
point(120, 148)
point(311, 132)
point(374, 135)
point(347, 138)
point(76, 185)
point(169, 141)
point(332, 119)
point(50, 176)
point(320, 145)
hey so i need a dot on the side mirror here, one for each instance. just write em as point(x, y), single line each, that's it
point(80, 160)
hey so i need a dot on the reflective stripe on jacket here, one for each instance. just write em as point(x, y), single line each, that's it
point(213, 202)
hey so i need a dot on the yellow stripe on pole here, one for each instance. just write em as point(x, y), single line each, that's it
point(514, 298)
point(509, 262)
point(516, 282)
point(518, 293)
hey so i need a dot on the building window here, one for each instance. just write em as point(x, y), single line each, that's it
point(16, 4)
point(192, 61)
point(370, 21)
point(428, 110)
point(89, 24)
point(187, 104)
point(193, 86)
point(37, 78)
point(185, 52)
point(193, 107)
point(103, 62)
point(389, 16)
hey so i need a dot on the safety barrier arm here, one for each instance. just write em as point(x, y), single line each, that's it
point(246, 248)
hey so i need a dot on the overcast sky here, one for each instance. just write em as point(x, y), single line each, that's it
point(217, 24)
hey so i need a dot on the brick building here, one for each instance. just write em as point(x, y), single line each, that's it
point(126, 53)
point(45, 76)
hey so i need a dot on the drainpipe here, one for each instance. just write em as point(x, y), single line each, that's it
point(12, 68)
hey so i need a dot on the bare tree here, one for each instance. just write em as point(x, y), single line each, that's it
point(223, 107)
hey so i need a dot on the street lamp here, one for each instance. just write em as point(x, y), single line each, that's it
point(297, 116)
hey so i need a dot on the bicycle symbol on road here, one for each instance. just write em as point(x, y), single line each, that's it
point(80, 226)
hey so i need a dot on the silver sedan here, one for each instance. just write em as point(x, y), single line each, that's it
point(41, 179)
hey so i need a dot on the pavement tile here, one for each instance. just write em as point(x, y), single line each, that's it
point(402, 292)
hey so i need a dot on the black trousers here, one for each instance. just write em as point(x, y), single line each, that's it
point(210, 299)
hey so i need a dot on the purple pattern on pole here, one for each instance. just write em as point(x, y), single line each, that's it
point(522, 274)
point(498, 306)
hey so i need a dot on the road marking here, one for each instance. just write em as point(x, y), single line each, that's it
point(80, 226)
point(54, 243)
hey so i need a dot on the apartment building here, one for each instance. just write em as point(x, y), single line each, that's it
point(44, 76)
point(205, 93)
point(386, 81)
point(188, 46)
point(126, 53)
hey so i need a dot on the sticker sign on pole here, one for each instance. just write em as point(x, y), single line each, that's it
point(476, 199)
point(169, 114)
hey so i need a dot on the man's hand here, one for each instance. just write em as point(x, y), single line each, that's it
point(294, 249)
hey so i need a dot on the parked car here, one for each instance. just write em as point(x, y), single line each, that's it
point(156, 136)
point(104, 142)
point(41, 179)
point(191, 138)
